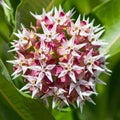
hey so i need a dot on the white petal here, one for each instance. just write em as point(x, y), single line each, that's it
point(64, 99)
point(98, 57)
point(61, 91)
point(72, 76)
point(60, 8)
point(27, 86)
point(30, 78)
point(24, 68)
point(81, 106)
point(100, 82)
point(38, 68)
point(40, 77)
point(48, 74)
point(56, 14)
point(54, 29)
point(99, 42)
point(80, 46)
point(83, 33)
point(89, 67)
point(80, 103)
point(50, 67)
point(76, 67)
point(17, 71)
point(72, 86)
point(45, 30)
point(77, 23)
point(88, 93)
point(42, 44)
point(12, 61)
point(79, 91)
point(38, 17)
point(54, 102)
point(63, 73)
point(34, 92)
point(99, 33)
point(15, 49)
point(64, 65)
point(17, 75)
point(50, 93)
point(83, 82)
point(90, 100)
point(98, 68)
point(42, 56)
point(74, 53)
point(89, 54)
point(71, 41)
point(98, 28)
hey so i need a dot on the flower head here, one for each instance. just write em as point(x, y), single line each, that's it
point(59, 58)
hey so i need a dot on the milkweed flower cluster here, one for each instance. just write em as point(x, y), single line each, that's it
point(59, 57)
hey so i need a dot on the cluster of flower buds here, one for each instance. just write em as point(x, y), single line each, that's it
point(59, 58)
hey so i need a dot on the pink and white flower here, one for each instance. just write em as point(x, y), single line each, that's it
point(59, 58)
point(70, 69)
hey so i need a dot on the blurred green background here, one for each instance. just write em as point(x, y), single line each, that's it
point(18, 106)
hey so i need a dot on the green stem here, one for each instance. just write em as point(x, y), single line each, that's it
point(76, 113)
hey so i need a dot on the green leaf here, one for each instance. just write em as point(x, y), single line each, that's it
point(85, 6)
point(6, 111)
point(4, 71)
point(63, 115)
point(26, 108)
point(9, 14)
point(4, 27)
point(109, 14)
point(113, 103)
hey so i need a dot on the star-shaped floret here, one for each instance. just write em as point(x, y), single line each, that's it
point(90, 62)
point(94, 37)
point(76, 86)
point(58, 94)
point(20, 68)
point(24, 39)
point(60, 18)
point(48, 35)
point(44, 70)
point(43, 50)
point(78, 29)
point(32, 84)
point(69, 68)
point(45, 15)
point(70, 47)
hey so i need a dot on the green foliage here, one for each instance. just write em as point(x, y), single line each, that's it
point(109, 15)
point(15, 105)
